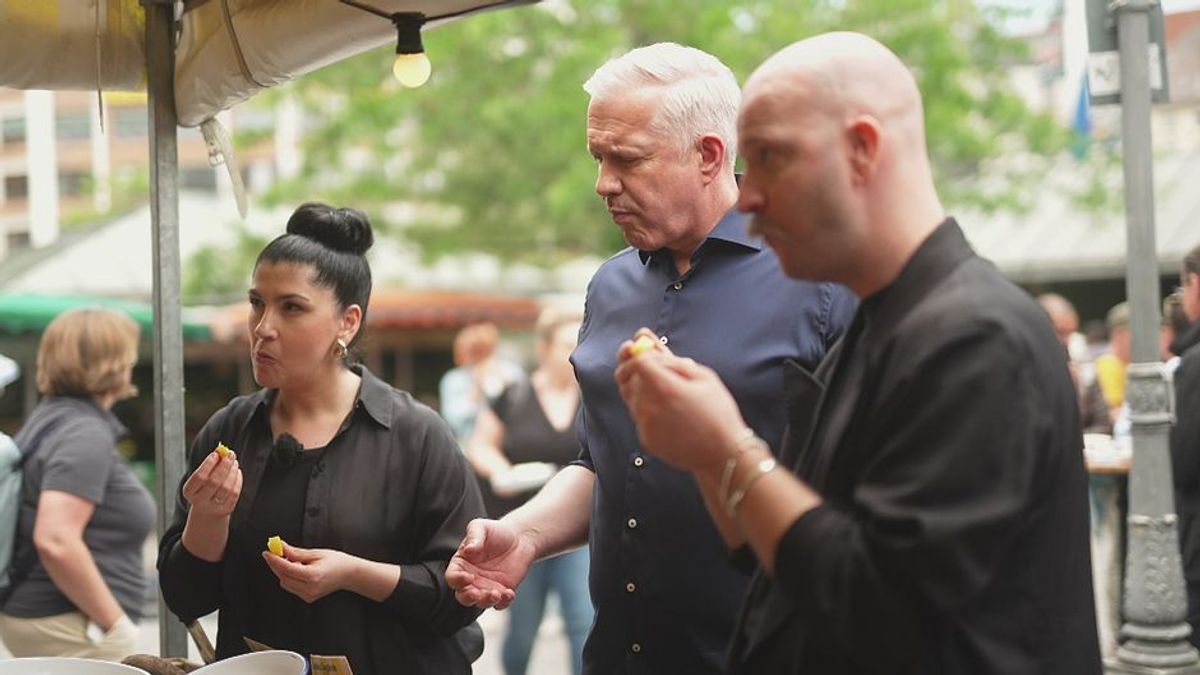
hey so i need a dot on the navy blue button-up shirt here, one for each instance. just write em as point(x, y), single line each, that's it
point(665, 593)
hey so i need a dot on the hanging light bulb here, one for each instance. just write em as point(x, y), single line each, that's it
point(412, 70)
point(412, 67)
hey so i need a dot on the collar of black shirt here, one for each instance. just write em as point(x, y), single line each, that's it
point(938, 256)
point(374, 396)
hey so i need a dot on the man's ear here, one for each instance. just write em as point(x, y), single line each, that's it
point(863, 136)
point(713, 156)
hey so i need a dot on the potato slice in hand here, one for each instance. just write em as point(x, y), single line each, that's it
point(223, 451)
point(641, 346)
point(275, 546)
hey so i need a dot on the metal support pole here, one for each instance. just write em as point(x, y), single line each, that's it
point(168, 325)
point(1155, 609)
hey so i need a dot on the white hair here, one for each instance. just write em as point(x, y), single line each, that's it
point(700, 95)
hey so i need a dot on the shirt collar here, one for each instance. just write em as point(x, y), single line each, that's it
point(732, 229)
point(937, 256)
point(374, 397)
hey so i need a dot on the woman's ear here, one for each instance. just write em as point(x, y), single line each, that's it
point(351, 323)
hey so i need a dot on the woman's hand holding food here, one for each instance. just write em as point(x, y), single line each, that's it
point(313, 573)
point(212, 492)
point(214, 487)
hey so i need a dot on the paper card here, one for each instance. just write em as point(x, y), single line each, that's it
point(330, 665)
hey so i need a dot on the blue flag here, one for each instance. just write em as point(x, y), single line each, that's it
point(1081, 125)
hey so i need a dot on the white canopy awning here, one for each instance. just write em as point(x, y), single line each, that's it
point(1062, 241)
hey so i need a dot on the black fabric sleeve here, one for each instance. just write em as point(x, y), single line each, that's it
point(935, 507)
point(190, 586)
point(448, 498)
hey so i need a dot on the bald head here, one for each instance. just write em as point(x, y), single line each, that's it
point(837, 173)
point(1062, 316)
point(845, 75)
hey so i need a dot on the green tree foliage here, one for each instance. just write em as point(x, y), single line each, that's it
point(216, 274)
point(491, 155)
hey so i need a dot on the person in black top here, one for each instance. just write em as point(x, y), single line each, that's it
point(526, 434)
point(933, 516)
point(367, 486)
point(1185, 435)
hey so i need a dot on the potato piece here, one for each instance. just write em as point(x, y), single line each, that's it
point(224, 451)
point(641, 346)
point(275, 546)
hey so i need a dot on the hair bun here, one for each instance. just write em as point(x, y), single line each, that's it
point(340, 229)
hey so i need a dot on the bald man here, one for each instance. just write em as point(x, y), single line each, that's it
point(932, 517)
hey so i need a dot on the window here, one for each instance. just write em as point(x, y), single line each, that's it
point(16, 187)
point(18, 240)
point(74, 183)
point(73, 126)
point(131, 123)
point(12, 130)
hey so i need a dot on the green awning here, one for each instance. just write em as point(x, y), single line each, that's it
point(31, 312)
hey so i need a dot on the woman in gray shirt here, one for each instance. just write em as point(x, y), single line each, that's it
point(78, 579)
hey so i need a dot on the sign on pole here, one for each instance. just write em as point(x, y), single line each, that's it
point(1104, 60)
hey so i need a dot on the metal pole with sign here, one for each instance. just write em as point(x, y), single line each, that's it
point(168, 319)
point(1125, 66)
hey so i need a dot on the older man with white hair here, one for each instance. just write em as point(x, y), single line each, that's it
point(661, 127)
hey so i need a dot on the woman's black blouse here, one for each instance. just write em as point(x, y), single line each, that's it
point(392, 486)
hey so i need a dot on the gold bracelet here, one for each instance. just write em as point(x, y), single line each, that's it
point(761, 468)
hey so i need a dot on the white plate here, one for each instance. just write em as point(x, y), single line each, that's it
point(60, 666)
point(276, 662)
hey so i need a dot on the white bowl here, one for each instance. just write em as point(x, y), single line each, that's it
point(61, 666)
point(276, 662)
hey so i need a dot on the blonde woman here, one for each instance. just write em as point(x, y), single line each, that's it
point(78, 580)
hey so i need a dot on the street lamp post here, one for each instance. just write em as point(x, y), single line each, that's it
point(1155, 631)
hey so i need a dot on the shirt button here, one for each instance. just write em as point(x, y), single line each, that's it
point(637, 648)
point(677, 285)
point(663, 339)
point(632, 523)
point(312, 510)
point(630, 587)
point(638, 461)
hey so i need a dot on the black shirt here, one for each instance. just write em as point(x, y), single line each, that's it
point(954, 534)
point(528, 437)
point(277, 617)
point(392, 487)
point(1185, 450)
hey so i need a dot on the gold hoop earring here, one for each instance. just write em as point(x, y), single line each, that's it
point(340, 350)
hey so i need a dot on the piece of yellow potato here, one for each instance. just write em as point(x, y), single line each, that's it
point(223, 451)
point(641, 346)
point(275, 546)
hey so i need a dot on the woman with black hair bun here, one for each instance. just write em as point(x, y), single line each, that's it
point(365, 488)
